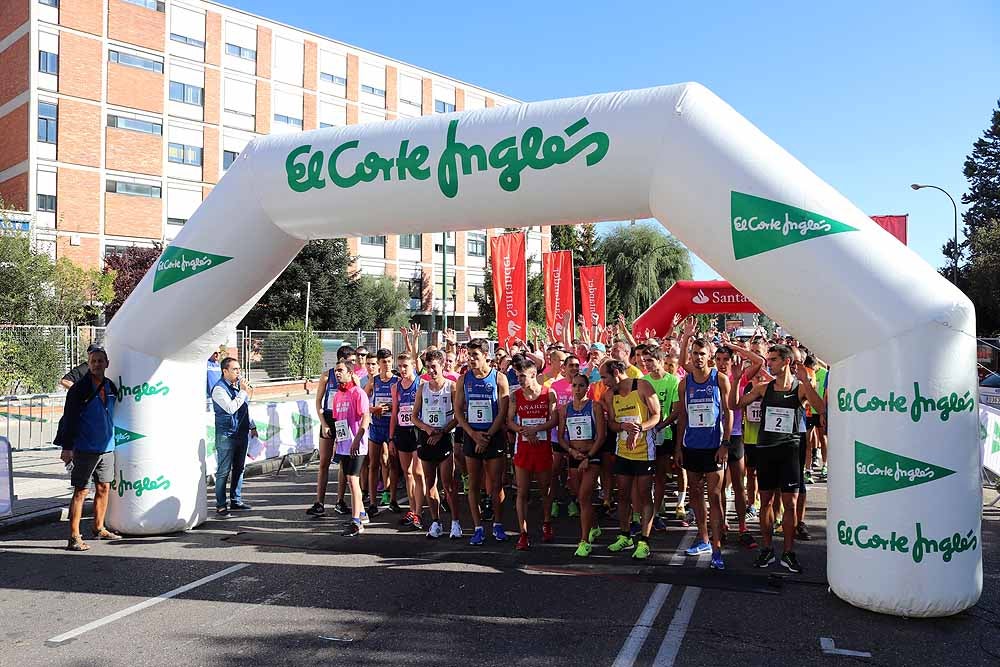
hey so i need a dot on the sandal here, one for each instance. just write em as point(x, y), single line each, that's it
point(76, 543)
point(105, 534)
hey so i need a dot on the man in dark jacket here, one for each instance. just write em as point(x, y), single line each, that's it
point(230, 396)
point(88, 441)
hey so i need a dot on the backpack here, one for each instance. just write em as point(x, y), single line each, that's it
point(61, 433)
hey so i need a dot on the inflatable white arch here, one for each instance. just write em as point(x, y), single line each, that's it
point(904, 507)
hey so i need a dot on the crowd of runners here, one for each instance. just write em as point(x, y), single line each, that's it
point(603, 425)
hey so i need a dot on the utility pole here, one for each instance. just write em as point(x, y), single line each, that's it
point(444, 283)
point(305, 334)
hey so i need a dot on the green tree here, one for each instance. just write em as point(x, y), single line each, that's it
point(381, 303)
point(536, 301)
point(978, 277)
point(565, 237)
point(642, 263)
point(127, 268)
point(296, 351)
point(333, 302)
point(590, 247)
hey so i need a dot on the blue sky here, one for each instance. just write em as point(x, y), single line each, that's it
point(871, 96)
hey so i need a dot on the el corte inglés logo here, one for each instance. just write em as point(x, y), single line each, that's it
point(177, 263)
point(878, 471)
point(760, 225)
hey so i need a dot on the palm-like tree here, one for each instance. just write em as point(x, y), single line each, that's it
point(642, 262)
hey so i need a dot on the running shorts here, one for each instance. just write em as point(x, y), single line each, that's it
point(405, 438)
point(735, 448)
point(778, 469)
point(438, 452)
point(533, 456)
point(701, 460)
point(496, 448)
point(350, 465)
point(633, 468)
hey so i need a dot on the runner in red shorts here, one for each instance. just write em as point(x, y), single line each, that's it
point(532, 415)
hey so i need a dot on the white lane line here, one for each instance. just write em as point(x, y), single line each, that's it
point(72, 634)
point(671, 645)
point(679, 556)
point(637, 637)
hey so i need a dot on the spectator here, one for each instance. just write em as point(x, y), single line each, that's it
point(213, 373)
point(230, 397)
point(77, 373)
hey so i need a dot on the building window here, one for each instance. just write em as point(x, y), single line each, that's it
point(182, 154)
point(241, 52)
point(451, 288)
point(50, 3)
point(443, 107)
point(476, 245)
point(47, 122)
point(176, 221)
point(188, 94)
point(322, 125)
point(451, 245)
point(415, 289)
point(46, 203)
point(373, 90)
point(136, 61)
point(228, 157)
point(144, 126)
point(137, 189)
point(48, 63)
point(410, 102)
point(477, 292)
point(191, 41)
point(373, 240)
point(288, 120)
point(333, 78)
point(410, 241)
point(155, 5)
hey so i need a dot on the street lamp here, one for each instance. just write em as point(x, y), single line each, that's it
point(954, 269)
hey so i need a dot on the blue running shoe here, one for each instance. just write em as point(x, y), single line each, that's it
point(716, 563)
point(659, 524)
point(699, 548)
point(478, 537)
point(498, 533)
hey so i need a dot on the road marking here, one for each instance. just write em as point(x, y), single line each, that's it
point(679, 556)
point(829, 647)
point(73, 634)
point(637, 637)
point(671, 645)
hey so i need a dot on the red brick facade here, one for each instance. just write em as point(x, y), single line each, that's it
point(78, 200)
point(263, 118)
point(126, 150)
point(14, 192)
point(80, 66)
point(309, 111)
point(87, 254)
point(391, 88)
point(210, 156)
point(427, 97)
point(310, 65)
point(79, 140)
point(136, 25)
point(213, 38)
point(353, 78)
point(14, 66)
point(263, 52)
point(213, 96)
point(135, 88)
point(83, 15)
point(13, 16)
point(128, 215)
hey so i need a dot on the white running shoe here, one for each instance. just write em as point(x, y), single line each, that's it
point(364, 519)
point(456, 530)
point(435, 530)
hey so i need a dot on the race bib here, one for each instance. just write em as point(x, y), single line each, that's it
point(753, 412)
point(383, 401)
point(533, 421)
point(779, 420)
point(406, 415)
point(434, 417)
point(481, 411)
point(700, 415)
point(580, 428)
point(342, 431)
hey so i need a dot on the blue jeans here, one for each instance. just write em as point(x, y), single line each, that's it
point(231, 454)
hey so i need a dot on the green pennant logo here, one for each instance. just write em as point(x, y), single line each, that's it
point(178, 263)
point(878, 471)
point(303, 424)
point(760, 225)
point(266, 431)
point(123, 436)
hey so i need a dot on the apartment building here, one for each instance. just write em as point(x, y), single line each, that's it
point(117, 117)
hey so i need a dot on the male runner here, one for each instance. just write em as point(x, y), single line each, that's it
point(326, 444)
point(622, 351)
point(735, 464)
point(403, 435)
point(563, 388)
point(704, 426)
point(350, 416)
point(581, 434)
point(480, 407)
point(665, 385)
point(379, 391)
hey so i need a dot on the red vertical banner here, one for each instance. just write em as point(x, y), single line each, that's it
point(592, 294)
point(557, 274)
point(894, 224)
point(510, 286)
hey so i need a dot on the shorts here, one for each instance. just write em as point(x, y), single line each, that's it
point(750, 453)
point(378, 433)
point(778, 469)
point(665, 449)
point(87, 466)
point(350, 465)
point(812, 421)
point(435, 453)
point(701, 460)
point(593, 461)
point(405, 439)
point(496, 448)
point(533, 456)
point(633, 468)
point(735, 448)
point(802, 464)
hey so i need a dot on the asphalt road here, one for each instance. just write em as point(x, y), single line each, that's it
point(284, 588)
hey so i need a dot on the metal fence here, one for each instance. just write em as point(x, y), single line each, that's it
point(275, 356)
point(30, 421)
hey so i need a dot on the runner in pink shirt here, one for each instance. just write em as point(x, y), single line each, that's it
point(351, 420)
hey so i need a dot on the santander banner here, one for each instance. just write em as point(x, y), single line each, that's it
point(557, 274)
point(692, 297)
point(510, 286)
point(592, 294)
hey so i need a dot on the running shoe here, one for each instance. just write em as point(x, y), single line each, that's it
point(623, 542)
point(824, 472)
point(641, 550)
point(802, 533)
point(341, 508)
point(593, 534)
point(779, 529)
point(456, 530)
point(659, 524)
point(353, 529)
point(380, 487)
point(317, 509)
point(407, 519)
point(435, 531)
point(764, 557)
point(385, 499)
point(572, 510)
point(680, 514)
point(547, 534)
point(498, 533)
point(790, 562)
point(487, 509)
point(417, 523)
point(478, 537)
point(747, 540)
point(809, 477)
point(237, 506)
point(583, 549)
point(373, 510)
point(555, 509)
point(699, 548)
point(522, 542)
point(751, 513)
point(717, 563)
point(395, 508)
point(364, 519)
point(689, 516)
